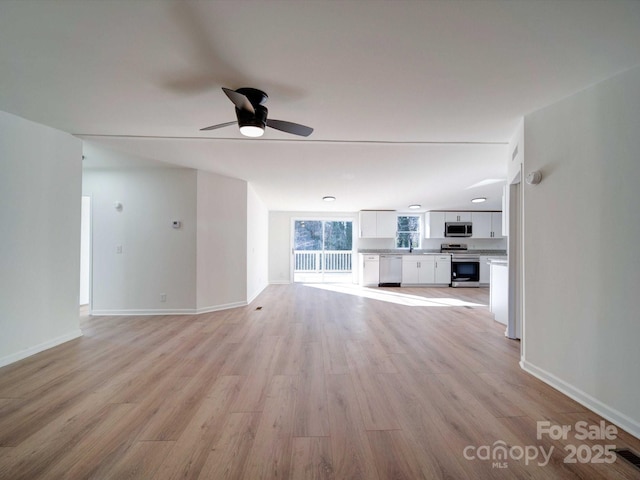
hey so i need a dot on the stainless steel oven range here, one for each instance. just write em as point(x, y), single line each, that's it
point(465, 267)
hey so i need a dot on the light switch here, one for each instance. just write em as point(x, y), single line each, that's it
point(118, 248)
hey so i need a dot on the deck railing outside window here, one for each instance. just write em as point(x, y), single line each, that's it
point(317, 261)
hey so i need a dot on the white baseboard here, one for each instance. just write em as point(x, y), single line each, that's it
point(168, 311)
point(279, 282)
point(135, 312)
point(605, 411)
point(54, 342)
point(216, 308)
point(255, 295)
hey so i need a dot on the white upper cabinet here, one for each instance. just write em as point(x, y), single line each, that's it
point(378, 224)
point(368, 224)
point(457, 216)
point(487, 224)
point(387, 224)
point(497, 227)
point(434, 225)
point(481, 224)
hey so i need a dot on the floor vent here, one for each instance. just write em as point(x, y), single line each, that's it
point(629, 456)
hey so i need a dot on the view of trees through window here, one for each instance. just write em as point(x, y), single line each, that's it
point(408, 231)
point(322, 247)
point(323, 235)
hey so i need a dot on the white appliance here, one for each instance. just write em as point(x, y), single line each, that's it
point(390, 270)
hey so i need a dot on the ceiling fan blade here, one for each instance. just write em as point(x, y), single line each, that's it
point(239, 100)
point(289, 127)
point(220, 125)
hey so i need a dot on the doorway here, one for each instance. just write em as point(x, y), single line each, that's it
point(322, 251)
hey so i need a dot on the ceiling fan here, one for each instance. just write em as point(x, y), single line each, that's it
point(252, 115)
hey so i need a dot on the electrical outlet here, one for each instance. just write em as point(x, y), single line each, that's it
point(163, 297)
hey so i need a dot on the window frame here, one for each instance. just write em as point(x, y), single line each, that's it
point(417, 232)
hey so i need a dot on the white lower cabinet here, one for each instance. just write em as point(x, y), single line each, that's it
point(484, 270)
point(369, 270)
point(443, 270)
point(499, 292)
point(426, 270)
point(410, 270)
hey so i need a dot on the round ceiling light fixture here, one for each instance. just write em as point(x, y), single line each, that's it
point(252, 123)
point(415, 206)
point(479, 200)
point(251, 131)
point(329, 198)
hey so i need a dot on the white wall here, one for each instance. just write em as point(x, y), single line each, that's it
point(85, 251)
point(581, 325)
point(156, 258)
point(515, 155)
point(279, 247)
point(257, 245)
point(40, 190)
point(221, 242)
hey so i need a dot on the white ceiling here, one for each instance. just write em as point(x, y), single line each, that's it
point(411, 101)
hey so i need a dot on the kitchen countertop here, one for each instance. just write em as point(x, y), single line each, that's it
point(420, 251)
point(501, 262)
point(398, 251)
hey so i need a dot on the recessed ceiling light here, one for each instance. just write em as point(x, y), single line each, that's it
point(415, 206)
point(479, 200)
point(329, 198)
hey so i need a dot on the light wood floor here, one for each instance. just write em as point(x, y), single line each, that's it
point(315, 384)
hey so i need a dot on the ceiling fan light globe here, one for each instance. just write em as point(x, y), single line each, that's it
point(251, 131)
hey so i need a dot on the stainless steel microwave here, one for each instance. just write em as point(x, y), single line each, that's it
point(458, 229)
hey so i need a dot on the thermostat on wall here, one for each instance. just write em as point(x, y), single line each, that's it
point(176, 224)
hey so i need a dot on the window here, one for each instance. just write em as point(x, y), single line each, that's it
point(408, 231)
point(323, 250)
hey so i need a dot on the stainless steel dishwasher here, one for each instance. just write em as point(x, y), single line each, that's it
point(390, 271)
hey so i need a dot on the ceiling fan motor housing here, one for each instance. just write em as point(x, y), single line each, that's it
point(256, 97)
point(246, 118)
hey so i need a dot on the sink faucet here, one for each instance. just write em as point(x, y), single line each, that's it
point(410, 245)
